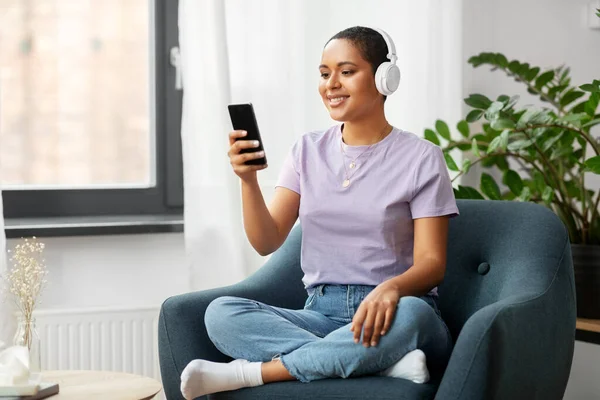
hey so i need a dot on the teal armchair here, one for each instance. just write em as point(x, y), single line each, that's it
point(508, 298)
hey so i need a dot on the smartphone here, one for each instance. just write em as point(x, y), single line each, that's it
point(243, 118)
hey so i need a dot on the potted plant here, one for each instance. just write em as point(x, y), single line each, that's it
point(542, 154)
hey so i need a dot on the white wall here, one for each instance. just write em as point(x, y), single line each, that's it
point(113, 271)
point(547, 33)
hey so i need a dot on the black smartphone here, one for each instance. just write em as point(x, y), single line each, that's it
point(243, 118)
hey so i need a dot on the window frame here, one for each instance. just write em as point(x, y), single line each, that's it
point(164, 198)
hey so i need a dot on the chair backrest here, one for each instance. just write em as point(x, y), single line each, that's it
point(498, 249)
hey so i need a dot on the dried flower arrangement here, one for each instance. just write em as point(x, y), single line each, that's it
point(25, 280)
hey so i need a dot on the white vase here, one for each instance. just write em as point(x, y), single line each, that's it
point(27, 336)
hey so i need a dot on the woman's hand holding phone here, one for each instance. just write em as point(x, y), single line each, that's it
point(246, 173)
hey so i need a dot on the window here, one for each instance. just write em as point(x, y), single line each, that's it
point(89, 112)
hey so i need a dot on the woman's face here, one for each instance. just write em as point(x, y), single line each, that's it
point(347, 84)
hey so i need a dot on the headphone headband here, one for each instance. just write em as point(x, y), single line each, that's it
point(390, 45)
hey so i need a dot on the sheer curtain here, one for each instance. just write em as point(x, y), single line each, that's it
point(7, 322)
point(267, 52)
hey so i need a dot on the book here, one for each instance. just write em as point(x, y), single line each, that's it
point(45, 389)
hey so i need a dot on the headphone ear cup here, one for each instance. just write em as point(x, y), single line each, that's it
point(387, 78)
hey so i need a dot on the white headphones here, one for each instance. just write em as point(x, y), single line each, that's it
point(387, 76)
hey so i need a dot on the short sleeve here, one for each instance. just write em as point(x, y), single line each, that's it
point(289, 176)
point(433, 194)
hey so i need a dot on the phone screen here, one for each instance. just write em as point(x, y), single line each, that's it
point(243, 118)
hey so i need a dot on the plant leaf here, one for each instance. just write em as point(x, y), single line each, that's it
point(588, 87)
point(489, 187)
point(548, 195)
point(591, 123)
point(450, 162)
point(573, 189)
point(442, 129)
point(573, 117)
point(466, 166)
point(501, 163)
point(474, 115)
point(543, 79)
point(525, 194)
point(501, 60)
point(504, 139)
point(570, 97)
point(523, 69)
point(592, 104)
point(518, 145)
point(560, 152)
point(550, 142)
point(513, 100)
point(494, 144)
point(478, 101)
point(532, 73)
point(493, 110)
point(556, 90)
point(514, 66)
point(475, 147)
point(593, 164)
point(502, 123)
point(468, 192)
point(432, 137)
point(539, 182)
point(528, 116)
point(513, 181)
point(463, 128)
point(564, 75)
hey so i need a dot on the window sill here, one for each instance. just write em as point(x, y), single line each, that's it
point(90, 226)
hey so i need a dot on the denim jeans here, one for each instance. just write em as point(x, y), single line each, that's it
point(316, 342)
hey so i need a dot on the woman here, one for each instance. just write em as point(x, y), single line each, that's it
point(374, 203)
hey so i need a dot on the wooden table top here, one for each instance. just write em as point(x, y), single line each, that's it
point(96, 385)
point(591, 325)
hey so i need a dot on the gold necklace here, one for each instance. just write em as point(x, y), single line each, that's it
point(346, 182)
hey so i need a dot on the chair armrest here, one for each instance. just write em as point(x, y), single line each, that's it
point(182, 335)
point(520, 347)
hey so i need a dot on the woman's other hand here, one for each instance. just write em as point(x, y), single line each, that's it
point(375, 314)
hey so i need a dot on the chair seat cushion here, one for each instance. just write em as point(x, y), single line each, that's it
point(370, 387)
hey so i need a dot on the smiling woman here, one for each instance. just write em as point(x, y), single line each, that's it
point(374, 202)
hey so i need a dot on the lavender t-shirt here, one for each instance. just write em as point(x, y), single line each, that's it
point(363, 234)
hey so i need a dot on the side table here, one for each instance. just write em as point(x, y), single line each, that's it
point(588, 330)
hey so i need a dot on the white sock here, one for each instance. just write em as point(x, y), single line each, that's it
point(412, 366)
point(202, 377)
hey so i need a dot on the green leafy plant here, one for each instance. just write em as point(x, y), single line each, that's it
point(547, 145)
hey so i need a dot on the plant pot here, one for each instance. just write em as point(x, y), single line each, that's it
point(586, 264)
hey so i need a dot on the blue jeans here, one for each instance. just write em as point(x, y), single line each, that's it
point(316, 342)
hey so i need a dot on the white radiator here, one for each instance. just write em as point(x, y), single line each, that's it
point(123, 340)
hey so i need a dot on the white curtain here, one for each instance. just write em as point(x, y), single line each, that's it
point(7, 321)
point(267, 52)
